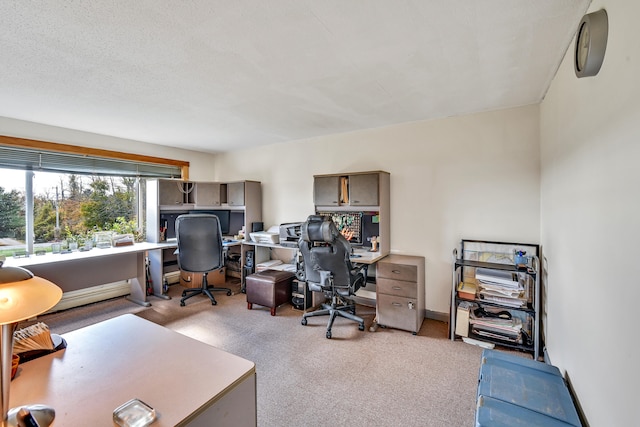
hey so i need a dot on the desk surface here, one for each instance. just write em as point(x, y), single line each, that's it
point(360, 256)
point(109, 363)
point(363, 256)
point(79, 255)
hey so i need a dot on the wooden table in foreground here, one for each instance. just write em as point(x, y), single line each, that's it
point(104, 365)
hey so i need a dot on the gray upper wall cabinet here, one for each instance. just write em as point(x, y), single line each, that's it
point(235, 194)
point(207, 194)
point(363, 190)
point(326, 190)
point(171, 192)
point(345, 190)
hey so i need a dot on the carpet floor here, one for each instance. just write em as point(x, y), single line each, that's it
point(358, 378)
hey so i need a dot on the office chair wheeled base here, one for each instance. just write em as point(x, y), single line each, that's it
point(334, 310)
point(205, 289)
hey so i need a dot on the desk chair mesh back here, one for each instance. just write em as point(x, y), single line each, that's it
point(199, 251)
point(326, 268)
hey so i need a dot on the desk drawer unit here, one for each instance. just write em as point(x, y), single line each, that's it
point(400, 292)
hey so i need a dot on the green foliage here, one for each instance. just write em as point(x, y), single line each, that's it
point(101, 207)
point(122, 226)
point(44, 221)
point(75, 187)
point(104, 204)
point(12, 223)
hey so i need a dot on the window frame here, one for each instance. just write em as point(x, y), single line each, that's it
point(36, 145)
point(91, 153)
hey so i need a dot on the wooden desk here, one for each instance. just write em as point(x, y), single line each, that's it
point(106, 364)
point(79, 270)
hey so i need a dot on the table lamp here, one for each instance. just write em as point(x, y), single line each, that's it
point(22, 296)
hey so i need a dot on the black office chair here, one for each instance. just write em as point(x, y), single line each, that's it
point(199, 251)
point(326, 268)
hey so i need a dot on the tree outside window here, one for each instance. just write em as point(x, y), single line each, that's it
point(12, 221)
point(68, 208)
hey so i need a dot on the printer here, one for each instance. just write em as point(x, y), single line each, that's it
point(289, 234)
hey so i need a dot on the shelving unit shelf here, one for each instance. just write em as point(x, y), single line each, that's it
point(501, 259)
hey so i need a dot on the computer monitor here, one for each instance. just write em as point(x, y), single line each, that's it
point(223, 216)
point(348, 223)
point(236, 222)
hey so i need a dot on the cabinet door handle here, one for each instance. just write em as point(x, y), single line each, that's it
point(397, 288)
point(397, 304)
point(395, 271)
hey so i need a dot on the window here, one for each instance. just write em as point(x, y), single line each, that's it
point(67, 208)
point(52, 200)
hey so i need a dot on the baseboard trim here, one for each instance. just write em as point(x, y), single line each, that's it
point(93, 294)
point(435, 315)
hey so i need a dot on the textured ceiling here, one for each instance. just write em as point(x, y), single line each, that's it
point(223, 75)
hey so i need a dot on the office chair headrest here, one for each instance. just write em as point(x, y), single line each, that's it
point(318, 229)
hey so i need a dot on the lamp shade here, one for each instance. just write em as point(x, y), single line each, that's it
point(22, 295)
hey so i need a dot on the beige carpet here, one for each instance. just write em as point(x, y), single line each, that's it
point(384, 378)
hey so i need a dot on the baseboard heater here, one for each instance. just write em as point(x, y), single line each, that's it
point(92, 294)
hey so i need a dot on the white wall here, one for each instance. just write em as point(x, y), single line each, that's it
point(200, 164)
point(590, 222)
point(464, 177)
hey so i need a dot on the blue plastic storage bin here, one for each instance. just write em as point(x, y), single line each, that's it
point(489, 355)
point(528, 387)
point(497, 413)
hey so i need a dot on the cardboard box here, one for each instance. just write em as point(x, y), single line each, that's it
point(462, 321)
point(467, 290)
point(194, 280)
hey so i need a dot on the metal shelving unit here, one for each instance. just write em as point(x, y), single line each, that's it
point(499, 256)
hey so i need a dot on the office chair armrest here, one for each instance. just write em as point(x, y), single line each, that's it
point(326, 278)
point(359, 269)
point(324, 284)
point(358, 276)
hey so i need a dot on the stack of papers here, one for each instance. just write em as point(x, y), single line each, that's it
point(497, 327)
point(268, 265)
point(502, 287)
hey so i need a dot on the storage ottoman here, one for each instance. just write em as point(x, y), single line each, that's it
point(269, 288)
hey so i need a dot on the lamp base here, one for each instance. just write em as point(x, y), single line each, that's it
point(43, 414)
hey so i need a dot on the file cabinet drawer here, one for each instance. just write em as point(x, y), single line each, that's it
point(399, 312)
point(397, 287)
point(400, 292)
point(390, 270)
